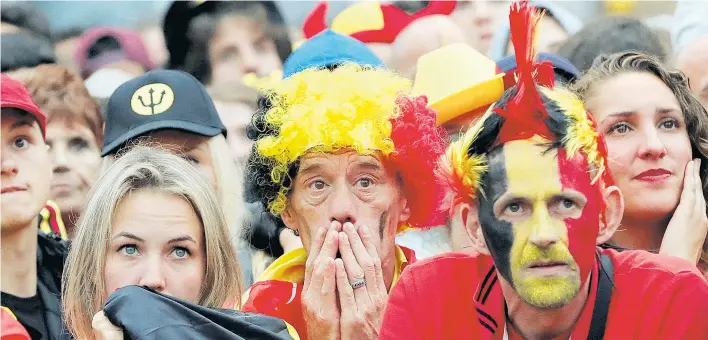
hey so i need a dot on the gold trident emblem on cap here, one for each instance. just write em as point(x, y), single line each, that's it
point(152, 99)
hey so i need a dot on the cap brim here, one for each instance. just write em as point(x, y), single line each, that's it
point(469, 99)
point(41, 119)
point(207, 131)
point(24, 107)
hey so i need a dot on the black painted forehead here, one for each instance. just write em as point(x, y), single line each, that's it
point(494, 181)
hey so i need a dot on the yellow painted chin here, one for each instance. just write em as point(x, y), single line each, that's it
point(548, 292)
point(544, 291)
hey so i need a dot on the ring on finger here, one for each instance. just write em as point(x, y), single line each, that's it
point(358, 284)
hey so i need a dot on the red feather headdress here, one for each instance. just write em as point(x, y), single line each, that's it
point(525, 116)
point(394, 18)
point(523, 22)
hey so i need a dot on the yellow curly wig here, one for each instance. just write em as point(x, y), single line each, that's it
point(323, 111)
point(582, 133)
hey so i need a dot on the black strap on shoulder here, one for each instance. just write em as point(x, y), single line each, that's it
point(602, 300)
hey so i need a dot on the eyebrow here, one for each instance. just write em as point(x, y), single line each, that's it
point(29, 122)
point(668, 109)
point(373, 165)
point(135, 237)
point(128, 235)
point(312, 167)
point(627, 114)
point(181, 239)
point(623, 114)
point(573, 194)
point(508, 196)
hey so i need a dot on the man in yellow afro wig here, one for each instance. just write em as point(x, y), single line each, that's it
point(345, 158)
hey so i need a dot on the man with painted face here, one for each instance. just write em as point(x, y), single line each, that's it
point(345, 158)
point(531, 177)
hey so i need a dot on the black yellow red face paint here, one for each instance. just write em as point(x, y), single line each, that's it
point(537, 206)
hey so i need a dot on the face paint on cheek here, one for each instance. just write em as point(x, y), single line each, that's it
point(582, 231)
point(499, 235)
point(382, 223)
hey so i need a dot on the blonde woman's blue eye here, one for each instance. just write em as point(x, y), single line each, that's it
point(181, 252)
point(130, 250)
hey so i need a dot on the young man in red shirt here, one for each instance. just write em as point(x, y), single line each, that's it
point(531, 175)
point(32, 261)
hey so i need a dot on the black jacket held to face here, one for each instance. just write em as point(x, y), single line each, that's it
point(144, 314)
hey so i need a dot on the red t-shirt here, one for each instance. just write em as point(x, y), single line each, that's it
point(10, 328)
point(457, 296)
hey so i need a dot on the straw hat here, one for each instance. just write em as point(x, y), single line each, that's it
point(457, 80)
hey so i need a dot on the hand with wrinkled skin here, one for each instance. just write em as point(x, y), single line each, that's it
point(686, 233)
point(362, 308)
point(319, 298)
point(104, 329)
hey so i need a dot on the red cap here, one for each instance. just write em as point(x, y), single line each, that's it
point(132, 47)
point(15, 95)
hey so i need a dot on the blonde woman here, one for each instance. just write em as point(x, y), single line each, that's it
point(152, 220)
point(173, 110)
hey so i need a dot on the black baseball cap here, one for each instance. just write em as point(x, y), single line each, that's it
point(160, 99)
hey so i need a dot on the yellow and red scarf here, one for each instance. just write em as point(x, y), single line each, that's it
point(50, 220)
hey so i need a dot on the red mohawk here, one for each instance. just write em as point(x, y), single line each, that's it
point(525, 114)
point(394, 19)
